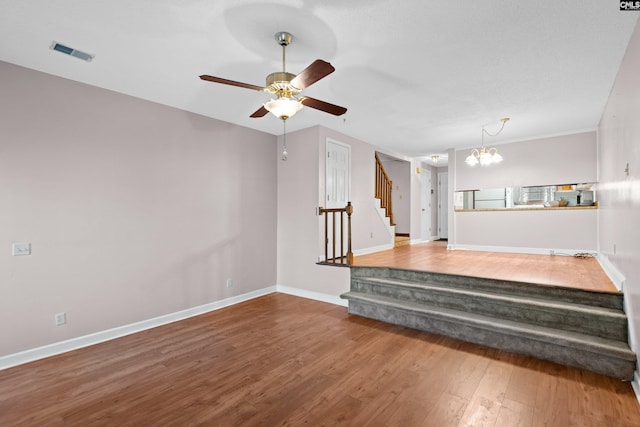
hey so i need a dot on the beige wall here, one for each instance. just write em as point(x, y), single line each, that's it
point(568, 159)
point(133, 210)
point(619, 193)
point(299, 241)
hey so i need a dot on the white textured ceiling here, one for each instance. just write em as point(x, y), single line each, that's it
point(418, 76)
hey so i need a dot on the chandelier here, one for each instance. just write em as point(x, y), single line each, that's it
point(483, 155)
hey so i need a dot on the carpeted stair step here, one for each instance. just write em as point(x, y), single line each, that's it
point(602, 322)
point(608, 357)
point(612, 300)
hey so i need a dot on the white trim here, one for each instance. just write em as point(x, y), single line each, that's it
point(429, 239)
point(60, 347)
point(635, 384)
point(517, 250)
point(614, 274)
point(317, 296)
point(391, 229)
point(443, 212)
point(373, 249)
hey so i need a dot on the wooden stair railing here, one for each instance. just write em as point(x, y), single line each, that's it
point(384, 188)
point(330, 238)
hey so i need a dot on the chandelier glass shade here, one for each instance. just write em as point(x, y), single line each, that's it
point(283, 107)
point(484, 156)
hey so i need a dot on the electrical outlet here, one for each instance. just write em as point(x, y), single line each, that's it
point(61, 319)
point(229, 283)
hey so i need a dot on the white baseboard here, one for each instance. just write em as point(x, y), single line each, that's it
point(427, 240)
point(518, 250)
point(318, 296)
point(31, 355)
point(635, 384)
point(417, 241)
point(614, 274)
point(372, 249)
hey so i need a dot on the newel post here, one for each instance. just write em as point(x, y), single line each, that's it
point(349, 210)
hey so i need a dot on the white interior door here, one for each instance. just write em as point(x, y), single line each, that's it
point(443, 205)
point(338, 174)
point(425, 214)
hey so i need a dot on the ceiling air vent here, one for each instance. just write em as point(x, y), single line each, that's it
point(71, 51)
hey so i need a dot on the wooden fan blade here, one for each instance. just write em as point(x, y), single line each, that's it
point(336, 110)
point(260, 112)
point(314, 72)
point(230, 82)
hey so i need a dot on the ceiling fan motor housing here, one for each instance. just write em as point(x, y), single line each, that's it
point(279, 83)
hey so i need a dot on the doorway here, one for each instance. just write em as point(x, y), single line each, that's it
point(443, 205)
point(337, 174)
point(425, 205)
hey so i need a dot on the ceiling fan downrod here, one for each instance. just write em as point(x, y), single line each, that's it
point(284, 39)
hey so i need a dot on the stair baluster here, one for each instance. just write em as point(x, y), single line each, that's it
point(384, 189)
point(333, 258)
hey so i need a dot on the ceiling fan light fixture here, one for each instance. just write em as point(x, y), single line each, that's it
point(283, 108)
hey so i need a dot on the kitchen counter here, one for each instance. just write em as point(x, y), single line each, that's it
point(529, 208)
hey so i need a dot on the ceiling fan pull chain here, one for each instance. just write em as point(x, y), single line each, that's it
point(284, 141)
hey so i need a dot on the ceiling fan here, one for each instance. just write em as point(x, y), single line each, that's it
point(287, 86)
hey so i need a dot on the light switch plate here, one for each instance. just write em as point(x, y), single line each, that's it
point(61, 319)
point(21, 249)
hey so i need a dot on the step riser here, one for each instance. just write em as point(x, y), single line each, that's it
point(576, 296)
point(569, 356)
point(559, 318)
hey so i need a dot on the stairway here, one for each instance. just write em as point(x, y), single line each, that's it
point(401, 240)
point(573, 327)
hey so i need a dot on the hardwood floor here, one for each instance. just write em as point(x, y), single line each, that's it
point(281, 360)
point(566, 271)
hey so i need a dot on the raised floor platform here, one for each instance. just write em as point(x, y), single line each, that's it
point(557, 270)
